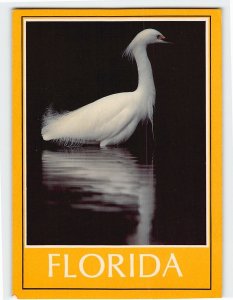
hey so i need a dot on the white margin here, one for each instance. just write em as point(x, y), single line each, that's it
point(207, 100)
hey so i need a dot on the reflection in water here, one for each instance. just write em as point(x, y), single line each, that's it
point(105, 180)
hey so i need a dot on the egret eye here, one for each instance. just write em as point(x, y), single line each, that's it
point(160, 37)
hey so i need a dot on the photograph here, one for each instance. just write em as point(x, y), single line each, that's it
point(115, 131)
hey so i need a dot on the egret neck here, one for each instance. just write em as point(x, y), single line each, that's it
point(145, 74)
point(146, 84)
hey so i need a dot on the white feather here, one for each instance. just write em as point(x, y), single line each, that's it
point(113, 119)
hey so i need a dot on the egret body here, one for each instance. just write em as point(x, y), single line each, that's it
point(110, 120)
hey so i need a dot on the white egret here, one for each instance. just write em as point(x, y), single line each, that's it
point(110, 120)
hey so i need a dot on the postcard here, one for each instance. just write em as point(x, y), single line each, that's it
point(117, 138)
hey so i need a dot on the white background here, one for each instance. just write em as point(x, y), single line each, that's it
point(6, 113)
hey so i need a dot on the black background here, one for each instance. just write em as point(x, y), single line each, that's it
point(70, 64)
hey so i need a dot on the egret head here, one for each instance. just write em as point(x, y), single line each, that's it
point(144, 38)
point(149, 36)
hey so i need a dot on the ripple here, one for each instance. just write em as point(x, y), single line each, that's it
point(104, 180)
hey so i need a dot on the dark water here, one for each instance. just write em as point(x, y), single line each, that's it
point(113, 196)
point(103, 183)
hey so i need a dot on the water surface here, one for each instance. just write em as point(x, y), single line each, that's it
point(100, 184)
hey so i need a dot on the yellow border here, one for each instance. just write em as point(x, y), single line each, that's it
point(215, 156)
